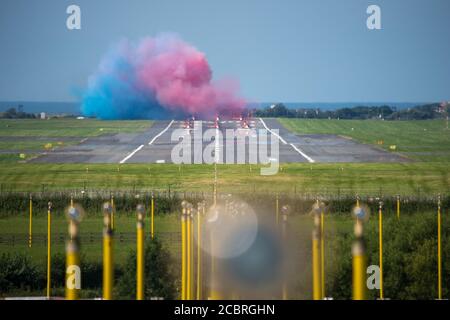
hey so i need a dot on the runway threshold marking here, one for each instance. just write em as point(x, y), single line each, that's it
point(161, 133)
point(141, 146)
point(304, 155)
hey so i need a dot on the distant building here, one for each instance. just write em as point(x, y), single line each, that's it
point(43, 116)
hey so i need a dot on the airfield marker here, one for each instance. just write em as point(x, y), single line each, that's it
point(30, 231)
point(380, 239)
point(108, 269)
point(140, 261)
point(49, 229)
point(398, 207)
point(439, 251)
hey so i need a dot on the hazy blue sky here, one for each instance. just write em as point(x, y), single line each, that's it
point(280, 50)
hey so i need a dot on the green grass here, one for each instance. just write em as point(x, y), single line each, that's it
point(328, 179)
point(68, 127)
point(424, 140)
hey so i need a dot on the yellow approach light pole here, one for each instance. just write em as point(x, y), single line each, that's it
point(152, 230)
point(73, 273)
point(183, 250)
point(49, 251)
point(322, 251)
point(398, 207)
point(30, 230)
point(140, 261)
point(359, 263)
point(317, 292)
point(380, 239)
point(439, 250)
point(108, 268)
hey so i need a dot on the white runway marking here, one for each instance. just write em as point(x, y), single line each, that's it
point(131, 154)
point(141, 146)
point(276, 135)
point(304, 155)
point(161, 133)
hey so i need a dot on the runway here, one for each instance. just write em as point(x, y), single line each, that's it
point(157, 143)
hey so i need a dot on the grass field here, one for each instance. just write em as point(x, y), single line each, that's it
point(424, 140)
point(326, 179)
point(32, 136)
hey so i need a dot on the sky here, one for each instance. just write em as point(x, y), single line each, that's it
point(278, 50)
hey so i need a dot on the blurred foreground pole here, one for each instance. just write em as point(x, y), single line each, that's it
point(398, 207)
point(200, 213)
point(359, 265)
point(73, 280)
point(70, 220)
point(359, 255)
point(277, 210)
point(140, 263)
point(108, 268)
point(439, 250)
point(380, 239)
point(49, 251)
point(183, 250)
point(152, 226)
point(316, 272)
point(113, 208)
point(284, 212)
point(30, 230)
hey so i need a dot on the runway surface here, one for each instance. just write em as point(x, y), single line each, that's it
point(156, 144)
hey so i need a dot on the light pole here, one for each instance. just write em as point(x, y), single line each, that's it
point(49, 251)
point(108, 264)
point(140, 261)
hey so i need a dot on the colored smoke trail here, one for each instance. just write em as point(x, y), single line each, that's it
point(161, 77)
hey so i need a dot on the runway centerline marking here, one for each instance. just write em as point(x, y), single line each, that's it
point(131, 154)
point(304, 155)
point(161, 133)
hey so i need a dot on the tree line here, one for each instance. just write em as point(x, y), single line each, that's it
point(384, 112)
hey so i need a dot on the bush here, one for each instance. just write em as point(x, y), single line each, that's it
point(18, 272)
point(159, 275)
